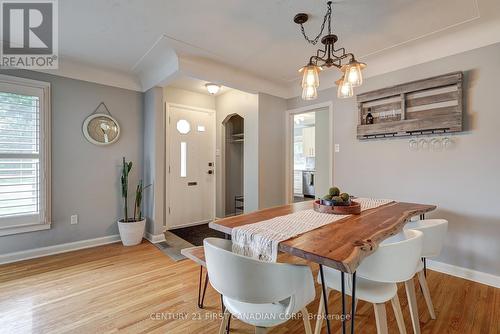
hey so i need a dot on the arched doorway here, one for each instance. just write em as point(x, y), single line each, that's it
point(234, 138)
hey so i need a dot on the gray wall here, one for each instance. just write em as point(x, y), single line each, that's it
point(271, 151)
point(85, 177)
point(463, 181)
point(154, 160)
point(245, 105)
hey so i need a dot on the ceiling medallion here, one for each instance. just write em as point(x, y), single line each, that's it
point(326, 58)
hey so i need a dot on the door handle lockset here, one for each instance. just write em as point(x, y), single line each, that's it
point(210, 171)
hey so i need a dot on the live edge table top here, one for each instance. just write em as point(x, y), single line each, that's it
point(340, 245)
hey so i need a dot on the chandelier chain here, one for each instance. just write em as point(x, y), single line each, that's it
point(316, 39)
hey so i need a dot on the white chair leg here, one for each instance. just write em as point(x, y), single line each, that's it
point(412, 304)
point(321, 312)
point(398, 314)
point(427, 294)
point(307, 324)
point(225, 319)
point(380, 318)
point(260, 330)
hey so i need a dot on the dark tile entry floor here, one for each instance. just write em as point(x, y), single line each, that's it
point(196, 234)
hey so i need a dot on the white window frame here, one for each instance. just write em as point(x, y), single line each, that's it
point(42, 90)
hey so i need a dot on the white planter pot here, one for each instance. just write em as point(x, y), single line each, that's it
point(131, 233)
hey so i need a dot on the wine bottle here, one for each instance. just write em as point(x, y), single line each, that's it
point(369, 117)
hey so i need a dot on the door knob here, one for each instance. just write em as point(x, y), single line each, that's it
point(210, 171)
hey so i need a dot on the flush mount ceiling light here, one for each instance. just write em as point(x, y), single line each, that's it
point(328, 57)
point(212, 88)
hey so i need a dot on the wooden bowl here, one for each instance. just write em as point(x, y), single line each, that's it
point(353, 209)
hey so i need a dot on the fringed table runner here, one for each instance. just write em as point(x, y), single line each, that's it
point(260, 240)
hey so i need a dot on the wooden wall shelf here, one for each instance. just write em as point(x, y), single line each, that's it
point(426, 106)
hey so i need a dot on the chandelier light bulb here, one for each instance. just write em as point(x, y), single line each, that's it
point(345, 89)
point(353, 73)
point(212, 88)
point(310, 76)
point(309, 93)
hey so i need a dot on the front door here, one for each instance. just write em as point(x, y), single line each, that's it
point(192, 172)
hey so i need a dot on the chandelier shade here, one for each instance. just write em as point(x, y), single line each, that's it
point(344, 89)
point(310, 76)
point(309, 93)
point(353, 74)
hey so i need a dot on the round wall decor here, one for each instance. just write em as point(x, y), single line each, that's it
point(101, 128)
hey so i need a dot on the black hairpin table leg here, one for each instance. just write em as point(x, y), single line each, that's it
point(342, 282)
point(201, 296)
point(323, 288)
point(353, 301)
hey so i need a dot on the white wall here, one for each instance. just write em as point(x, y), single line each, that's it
point(264, 150)
point(85, 177)
point(322, 159)
point(189, 98)
point(245, 105)
point(272, 177)
point(463, 182)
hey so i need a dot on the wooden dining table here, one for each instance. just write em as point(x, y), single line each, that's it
point(341, 245)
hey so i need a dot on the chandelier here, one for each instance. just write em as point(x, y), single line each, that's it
point(327, 57)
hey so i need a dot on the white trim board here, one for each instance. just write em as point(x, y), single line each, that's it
point(57, 249)
point(289, 143)
point(154, 238)
point(466, 273)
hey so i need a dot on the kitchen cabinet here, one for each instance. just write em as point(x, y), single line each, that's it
point(308, 141)
point(297, 182)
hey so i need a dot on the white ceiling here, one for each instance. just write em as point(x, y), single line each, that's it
point(195, 85)
point(257, 37)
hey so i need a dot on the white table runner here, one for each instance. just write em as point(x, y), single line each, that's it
point(260, 240)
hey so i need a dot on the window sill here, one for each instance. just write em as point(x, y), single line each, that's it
point(23, 229)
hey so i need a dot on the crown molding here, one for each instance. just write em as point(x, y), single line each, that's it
point(70, 68)
point(432, 47)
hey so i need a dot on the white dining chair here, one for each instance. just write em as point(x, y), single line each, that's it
point(394, 261)
point(258, 293)
point(434, 231)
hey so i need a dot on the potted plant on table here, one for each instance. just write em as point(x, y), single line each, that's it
point(131, 229)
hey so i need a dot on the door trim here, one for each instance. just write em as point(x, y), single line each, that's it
point(289, 144)
point(169, 105)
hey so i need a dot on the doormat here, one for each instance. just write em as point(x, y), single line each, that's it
point(196, 234)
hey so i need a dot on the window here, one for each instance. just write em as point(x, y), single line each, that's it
point(24, 155)
point(183, 159)
point(183, 126)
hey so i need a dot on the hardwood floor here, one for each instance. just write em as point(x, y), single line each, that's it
point(112, 289)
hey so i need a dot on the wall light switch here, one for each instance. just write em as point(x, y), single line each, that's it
point(74, 219)
point(337, 148)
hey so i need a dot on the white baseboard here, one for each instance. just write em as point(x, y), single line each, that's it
point(154, 238)
point(468, 274)
point(56, 249)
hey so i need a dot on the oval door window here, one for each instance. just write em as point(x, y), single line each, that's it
point(183, 126)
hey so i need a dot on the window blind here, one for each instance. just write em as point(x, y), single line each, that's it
point(19, 156)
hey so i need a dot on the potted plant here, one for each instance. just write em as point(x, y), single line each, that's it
point(131, 229)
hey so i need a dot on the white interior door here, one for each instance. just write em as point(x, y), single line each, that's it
point(192, 167)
